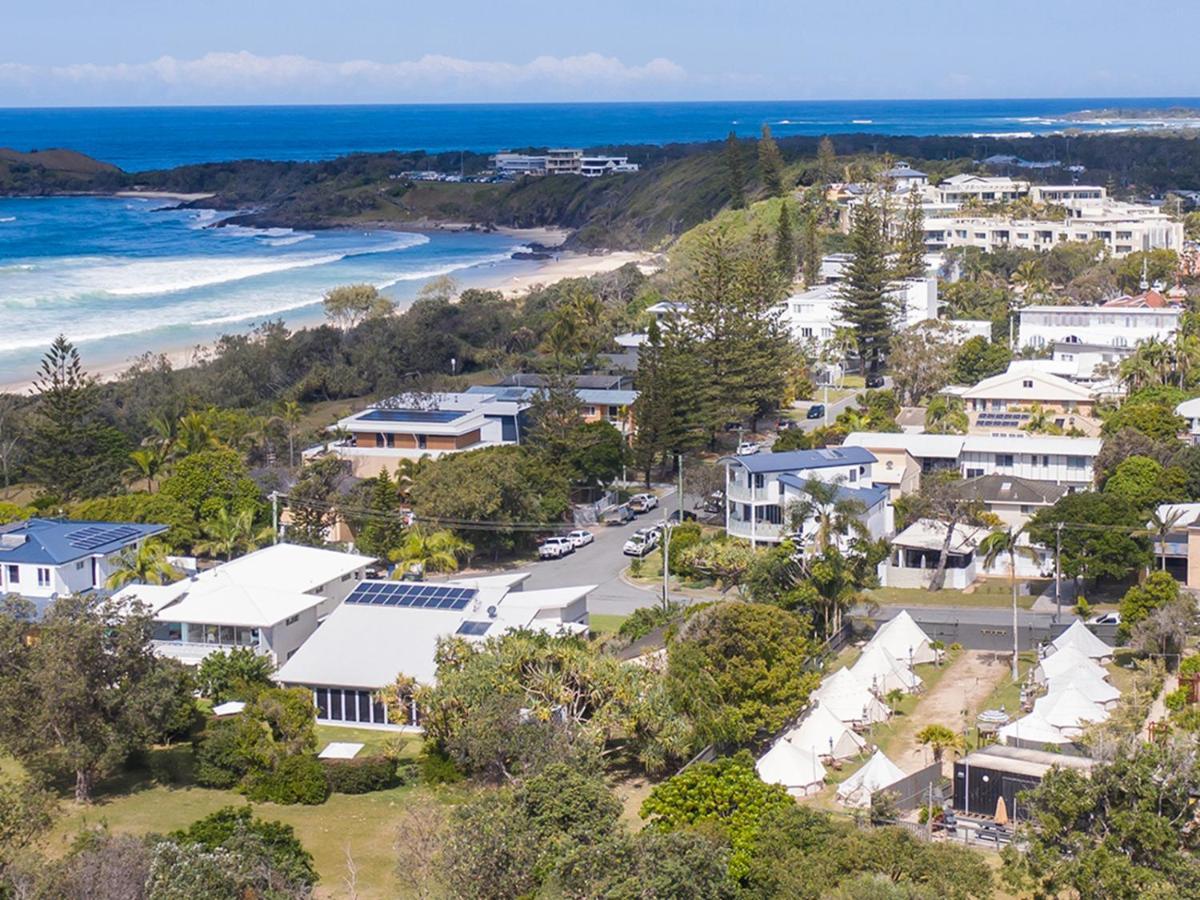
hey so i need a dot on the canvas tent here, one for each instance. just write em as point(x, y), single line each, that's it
point(877, 774)
point(1032, 731)
point(797, 770)
point(884, 673)
point(1080, 638)
point(1069, 711)
point(905, 640)
point(821, 733)
point(850, 699)
point(1087, 683)
point(1067, 660)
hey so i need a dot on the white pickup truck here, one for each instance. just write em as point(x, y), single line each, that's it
point(554, 547)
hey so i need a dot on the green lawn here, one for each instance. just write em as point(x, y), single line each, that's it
point(986, 594)
point(374, 741)
point(604, 626)
point(1007, 693)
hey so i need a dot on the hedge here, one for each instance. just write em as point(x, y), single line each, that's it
point(295, 779)
point(360, 776)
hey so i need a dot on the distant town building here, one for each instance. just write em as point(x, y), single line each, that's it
point(561, 161)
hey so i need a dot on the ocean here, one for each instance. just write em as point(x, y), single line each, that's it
point(120, 276)
point(141, 138)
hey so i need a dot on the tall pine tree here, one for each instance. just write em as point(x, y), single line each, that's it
point(810, 248)
point(669, 409)
point(826, 160)
point(770, 163)
point(735, 166)
point(785, 244)
point(865, 301)
point(910, 248)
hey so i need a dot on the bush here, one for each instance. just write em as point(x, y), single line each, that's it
point(360, 776)
point(1177, 699)
point(438, 768)
point(295, 779)
point(1190, 666)
point(229, 749)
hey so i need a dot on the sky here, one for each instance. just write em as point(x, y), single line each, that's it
point(151, 52)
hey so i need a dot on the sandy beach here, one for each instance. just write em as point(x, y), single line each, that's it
point(546, 272)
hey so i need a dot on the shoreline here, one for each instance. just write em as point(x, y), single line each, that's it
point(567, 264)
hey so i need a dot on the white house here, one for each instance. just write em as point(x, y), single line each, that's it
point(388, 628)
point(1005, 401)
point(1095, 326)
point(41, 559)
point(1189, 411)
point(1063, 460)
point(916, 550)
point(270, 600)
point(960, 189)
point(933, 452)
point(813, 315)
point(759, 489)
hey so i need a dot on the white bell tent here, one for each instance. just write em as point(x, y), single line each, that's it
point(824, 734)
point(797, 770)
point(876, 775)
point(905, 640)
point(1079, 637)
point(884, 673)
point(850, 699)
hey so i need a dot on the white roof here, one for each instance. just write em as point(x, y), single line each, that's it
point(1043, 386)
point(1066, 660)
point(294, 567)
point(877, 774)
point(366, 646)
point(941, 446)
point(1189, 513)
point(849, 698)
point(930, 534)
point(788, 765)
point(905, 639)
point(1069, 708)
point(1068, 446)
point(1081, 638)
point(1087, 683)
point(824, 734)
point(1189, 409)
point(1033, 728)
point(880, 669)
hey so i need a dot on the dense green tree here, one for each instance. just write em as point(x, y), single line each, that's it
point(920, 360)
point(735, 171)
point(239, 674)
point(236, 828)
point(1155, 420)
point(1140, 601)
point(910, 246)
point(652, 865)
point(770, 164)
point(1099, 535)
point(313, 500)
point(84, 694)
point(26, 811)
point(375, 515)
point(865, 301)
point(350, 305)
point(792, 439)
point(144, 508)
point(740, 669)
point(669, 411)
point(785, 243)
point(1121, 445)
point(212, 480)
point(810, 248)
point(1144, 484)
point(826, 160)
point(946, 415)
point(978, 359)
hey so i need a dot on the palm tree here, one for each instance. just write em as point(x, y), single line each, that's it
point(835, 515)
point(1040, 422)
point(147, 463)
point(940, 739)
point(1160, 525)
point(892, 698)
point(226, 533)
point(195, 434)
point(1008, 543)
point(290, 415)
point(142, 564)
point(430, 551)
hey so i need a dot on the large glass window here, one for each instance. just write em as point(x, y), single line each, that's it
point(364, 706)
point(322, 695)
point(228, 634)
point(168, 631)
point(335, 704)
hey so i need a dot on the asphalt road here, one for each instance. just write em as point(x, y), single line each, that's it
point(831, 412)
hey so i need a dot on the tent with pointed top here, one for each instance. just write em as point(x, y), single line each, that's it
point(1032, 731)
point(905, 640)
point(876, 775)
point(1087, 683)
point(1066, 660)
point(799, 771)
point(824, 734)
point(850, 699)
point(1069, 711)
point(1080, 637)
point(879, 668)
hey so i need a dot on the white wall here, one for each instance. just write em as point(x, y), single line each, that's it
point(1037, 466)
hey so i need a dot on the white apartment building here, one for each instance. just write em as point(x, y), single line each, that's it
point(1189, 411)
point(813, 315)
point(562, 161)
point(759, 489)
point(1119, 232)
point(960, 189)
point(1096, 326)
point(1067, 194)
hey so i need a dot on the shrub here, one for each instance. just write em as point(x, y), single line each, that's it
point(438, 768)
point(1177, 699)
point(229, 749)
point(1190, 666)
point(295, 779)
point(360, 776)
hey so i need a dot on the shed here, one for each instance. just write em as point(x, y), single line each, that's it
point(983, 777)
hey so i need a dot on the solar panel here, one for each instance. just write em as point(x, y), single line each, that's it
point(410, 594)
point(441, 416)
point(474, 629)
point(93, 537)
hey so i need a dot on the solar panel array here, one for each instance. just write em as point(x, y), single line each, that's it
point(1001, 420)
point(412, 415)
point(411, 594)
point(474, 629)
point(93, 537)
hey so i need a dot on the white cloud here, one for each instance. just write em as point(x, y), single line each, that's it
point(247, 77)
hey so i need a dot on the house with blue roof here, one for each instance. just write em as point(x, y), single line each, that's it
point(761, 488)
point(41, 559)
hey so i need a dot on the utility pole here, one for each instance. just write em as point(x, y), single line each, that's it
point(1058, 572)
point(679, 466)
point(666, 565)
point(275, 517)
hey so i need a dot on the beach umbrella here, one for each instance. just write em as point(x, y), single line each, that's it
point(1001, 816)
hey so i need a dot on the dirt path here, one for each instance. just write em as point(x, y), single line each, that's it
point(954, 702)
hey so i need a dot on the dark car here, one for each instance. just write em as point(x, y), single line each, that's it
point(787, 424)
point(688, 516)
point(875, 380)
point(816, 411)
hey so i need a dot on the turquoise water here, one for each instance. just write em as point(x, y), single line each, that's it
point(143, 138)
point(121, 276)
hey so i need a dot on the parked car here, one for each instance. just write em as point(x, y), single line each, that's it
point(555, 547)
point(787, 424)
point(640, 543)
point(875, 380)
point(688, 516)
point(620, 515)
point(816, 411)
point(1108, 618)
point(641, 503)
point(748, 448)
point(580, 538)
point(734, 426)
point(714, 502)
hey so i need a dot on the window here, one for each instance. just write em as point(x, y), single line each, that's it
point(1027, 383)
point(228, 634)
point(79, 565)
point(758, 481)
point(347, 576)
point(322, 698)
point(291, 620)
point(589, 410)
point(1004, 460)
point(335, 704)
point(1076, 462)
point(853, 475)
point(614, 412)
point(806, 332)
point(43, 577)
point(14, 575)
point(379, 441)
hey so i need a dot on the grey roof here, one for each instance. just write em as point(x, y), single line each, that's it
point(903, 170)
point(867, 496)
point(1010, 489)
point(58, 541)
point(802, 460)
